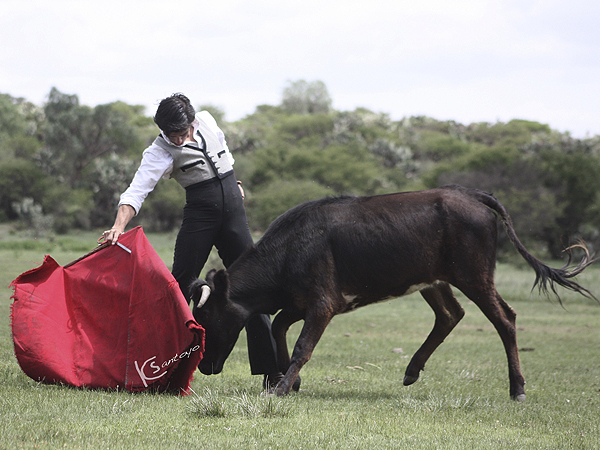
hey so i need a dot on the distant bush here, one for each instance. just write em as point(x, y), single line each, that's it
point(278, 196)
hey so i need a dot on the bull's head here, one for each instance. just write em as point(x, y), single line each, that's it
point(221, 319)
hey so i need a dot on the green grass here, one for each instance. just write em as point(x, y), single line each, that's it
point(352, 394)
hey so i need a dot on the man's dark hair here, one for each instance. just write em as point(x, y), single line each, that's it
point(174, 114)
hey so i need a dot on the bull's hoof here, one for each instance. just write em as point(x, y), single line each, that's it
point(268, 393)
point(408, 380)
point(296, 385)
point(279, 392)
point(271, 381)
point(518, 398)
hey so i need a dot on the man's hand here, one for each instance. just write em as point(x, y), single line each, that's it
point(111, 236)
point(124, 215)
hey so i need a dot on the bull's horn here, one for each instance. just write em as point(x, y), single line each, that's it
point(204, 296)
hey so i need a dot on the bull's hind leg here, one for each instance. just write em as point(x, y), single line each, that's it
point(503, 317)
point(448, 313)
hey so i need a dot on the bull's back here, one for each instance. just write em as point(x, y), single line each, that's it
point(383, 244)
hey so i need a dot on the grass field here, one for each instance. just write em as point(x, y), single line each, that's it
point(352, 394)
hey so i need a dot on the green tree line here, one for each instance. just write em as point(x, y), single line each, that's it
point(63, 165)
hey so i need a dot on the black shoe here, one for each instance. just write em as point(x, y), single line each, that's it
point(271, 380)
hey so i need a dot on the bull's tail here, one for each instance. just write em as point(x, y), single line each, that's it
point(546, 277)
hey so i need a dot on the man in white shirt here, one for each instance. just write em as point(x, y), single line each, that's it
point(192, 149)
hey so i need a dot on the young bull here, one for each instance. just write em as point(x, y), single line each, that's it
point(331, 256)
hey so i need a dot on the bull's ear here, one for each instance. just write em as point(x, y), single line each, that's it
point(221, 281)
point(210, 278)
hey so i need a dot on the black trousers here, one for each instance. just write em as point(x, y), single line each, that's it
point(214, 214)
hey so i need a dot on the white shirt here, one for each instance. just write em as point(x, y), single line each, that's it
point(157, 163)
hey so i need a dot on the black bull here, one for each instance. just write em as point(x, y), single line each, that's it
point(330, 256)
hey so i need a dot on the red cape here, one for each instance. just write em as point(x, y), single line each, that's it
point(115, 318)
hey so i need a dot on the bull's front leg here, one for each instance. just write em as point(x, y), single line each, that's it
point(279, 329)
point(314, 326)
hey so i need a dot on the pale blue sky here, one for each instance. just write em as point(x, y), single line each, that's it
point(466, 60)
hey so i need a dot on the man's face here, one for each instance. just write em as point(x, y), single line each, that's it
point(179, 137)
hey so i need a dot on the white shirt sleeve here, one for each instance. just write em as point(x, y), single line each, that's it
point(156, 163)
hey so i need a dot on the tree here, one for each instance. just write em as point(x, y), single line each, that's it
point(251, 132)
point(18, 116)
point(163, 209)
point(547, 181)
point(571, 170)
point(275, 198)
point(302, 97)
point(91, 152)
point(76, 135)
point(108, 178)
point(20, 179)
point(19, 125)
